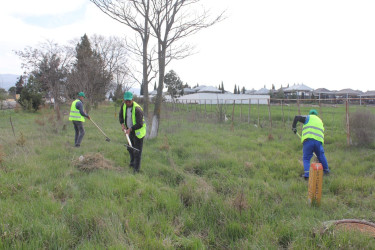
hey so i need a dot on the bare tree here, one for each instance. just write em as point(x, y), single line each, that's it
point(48, 64)
point(136, 50)
point(172, 21)
point(115, 56)
point(133, 14)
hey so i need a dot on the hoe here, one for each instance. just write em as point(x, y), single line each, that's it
point(129, 145)
point(106, 137)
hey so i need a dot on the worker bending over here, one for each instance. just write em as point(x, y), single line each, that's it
point(312, 139)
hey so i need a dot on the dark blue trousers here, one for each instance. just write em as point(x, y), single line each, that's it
point(311, 146)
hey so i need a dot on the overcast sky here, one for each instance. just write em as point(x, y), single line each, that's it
point(321, 43)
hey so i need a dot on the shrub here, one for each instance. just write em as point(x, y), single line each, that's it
point(362, 127)
point(30, 99)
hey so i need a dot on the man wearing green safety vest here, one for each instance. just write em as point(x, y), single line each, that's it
point(77, 115)
point(312, 139)
point(133, 124)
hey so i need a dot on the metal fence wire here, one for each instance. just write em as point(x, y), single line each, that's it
point(274, 113)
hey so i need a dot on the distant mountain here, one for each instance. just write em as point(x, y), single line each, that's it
point(8, 80)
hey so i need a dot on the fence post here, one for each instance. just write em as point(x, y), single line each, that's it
point(258, 113)
point(248, 114)
point(299, 109)
point(234, 103)
point(211, 109)
point(205, 109)
point(269, 113)
point(347, 123)
point(320, 110)
point(241, 111)
point(282, 109)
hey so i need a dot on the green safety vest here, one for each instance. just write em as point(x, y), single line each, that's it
point(75, 115)
point(140, 133)
point(314, 129)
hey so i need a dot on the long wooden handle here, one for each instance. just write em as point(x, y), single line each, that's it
point(99, 128)
point(127, 138)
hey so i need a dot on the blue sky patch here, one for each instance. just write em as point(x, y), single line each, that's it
point(55, 21)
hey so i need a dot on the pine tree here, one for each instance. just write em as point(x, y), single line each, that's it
point(222, 87)
point(235, 89)
point(173, 82)
point(19, 85)
point(89, 74)
point(238, 90)
point(243, 90)
point(118, 93)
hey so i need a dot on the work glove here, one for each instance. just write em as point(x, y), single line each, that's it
point(294, 130)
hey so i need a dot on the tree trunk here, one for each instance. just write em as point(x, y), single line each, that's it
point(57, 110)
point(154, 128)
point(159, 95)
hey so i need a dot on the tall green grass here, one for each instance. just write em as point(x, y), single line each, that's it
point(202, 185)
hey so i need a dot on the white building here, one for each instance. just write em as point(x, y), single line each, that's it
point(213, 98)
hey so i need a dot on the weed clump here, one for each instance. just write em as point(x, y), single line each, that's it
point(91, 162)
point(240, 202)
point(21, 140)
point(362, 127)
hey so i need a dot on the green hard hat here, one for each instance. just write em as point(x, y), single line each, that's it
point(81, 94)
point(313, 112)
point(128, 96)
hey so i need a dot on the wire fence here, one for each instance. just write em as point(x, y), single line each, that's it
point(275, 113)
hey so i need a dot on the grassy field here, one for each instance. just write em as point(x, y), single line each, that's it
point(202, 185)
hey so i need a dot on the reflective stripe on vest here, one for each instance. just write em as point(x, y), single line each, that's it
point(140, 133)
point(75, 115)
point(314, 129)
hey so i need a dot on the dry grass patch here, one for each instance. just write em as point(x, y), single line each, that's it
point(93, 161)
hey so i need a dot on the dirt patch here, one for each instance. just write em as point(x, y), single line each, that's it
point(363, 228)
point(350, 225)
point(93, 161)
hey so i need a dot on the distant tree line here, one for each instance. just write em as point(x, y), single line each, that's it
point(55, 72)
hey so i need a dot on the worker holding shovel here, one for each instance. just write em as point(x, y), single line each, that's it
point(312, 139)
point(77, 115)
point(134, 126)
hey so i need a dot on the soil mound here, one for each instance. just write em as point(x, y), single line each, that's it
point(93, 161)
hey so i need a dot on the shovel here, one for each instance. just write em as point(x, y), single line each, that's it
point(129, 145)
point(106, 137)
